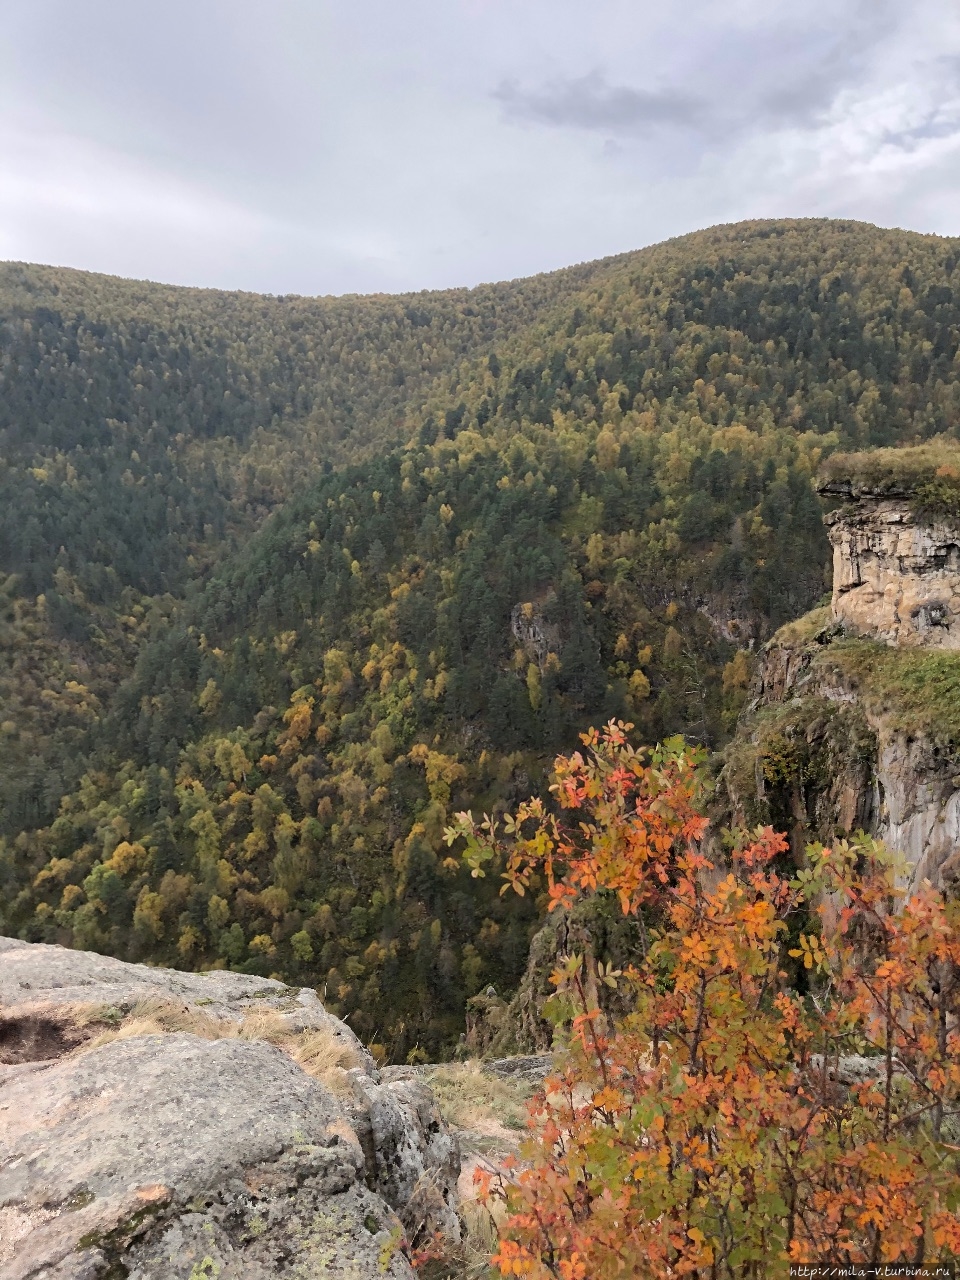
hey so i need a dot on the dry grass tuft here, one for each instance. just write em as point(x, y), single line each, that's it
point(481, 1237)
point(154, 1015)
point(473, 1099)
point(470, 1259)
point(319, 1052)
point(490, 1114)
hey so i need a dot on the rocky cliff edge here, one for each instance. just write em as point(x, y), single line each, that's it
point(896, 544)
point(843, 734)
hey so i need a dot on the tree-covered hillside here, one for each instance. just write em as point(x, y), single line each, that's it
point(499, 515)
point(146, 430)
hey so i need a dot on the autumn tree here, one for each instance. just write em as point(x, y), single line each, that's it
point(735, 1122)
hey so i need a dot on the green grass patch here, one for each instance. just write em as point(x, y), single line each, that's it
point(803, 630)
point(895, 472)
point(915, 690)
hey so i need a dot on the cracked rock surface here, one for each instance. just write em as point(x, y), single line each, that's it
point(177, 1156)
point(36, 974)
point(169, 1155)
point(895, 577)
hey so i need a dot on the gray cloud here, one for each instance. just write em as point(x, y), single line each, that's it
point(937, 115)
point(592, 104)
point(747, 80)
point(805, 101)
point(804, 79)
point(934, 126)
point(588, 102)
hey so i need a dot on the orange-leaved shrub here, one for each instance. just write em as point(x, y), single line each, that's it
point(786, 1087)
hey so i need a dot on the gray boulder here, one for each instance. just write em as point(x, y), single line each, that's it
point(160, 1156)
point(413, 1157)
point(41, 976)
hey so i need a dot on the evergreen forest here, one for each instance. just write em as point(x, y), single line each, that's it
point(285, 582)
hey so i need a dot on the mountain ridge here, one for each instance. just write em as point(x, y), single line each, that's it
point(717, 228)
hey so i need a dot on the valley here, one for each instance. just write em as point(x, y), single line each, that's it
point(288, 582)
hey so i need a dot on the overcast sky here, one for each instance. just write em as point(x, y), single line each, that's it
point(330, 146)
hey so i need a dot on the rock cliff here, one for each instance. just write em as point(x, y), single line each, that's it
point(844, 734)
point(896, 543)
point(157, 1124)
point(854, 716)
point(896, 574)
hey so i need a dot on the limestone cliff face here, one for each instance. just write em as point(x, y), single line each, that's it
point(822, 753)
point(896, 576)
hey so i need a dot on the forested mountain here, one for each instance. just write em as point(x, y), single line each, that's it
point(145, 430)
point(499, 515)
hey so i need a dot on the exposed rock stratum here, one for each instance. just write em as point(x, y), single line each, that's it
point(820, 755)
point(896, 574)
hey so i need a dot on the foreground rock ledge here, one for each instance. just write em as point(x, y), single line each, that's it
point(159, 1156)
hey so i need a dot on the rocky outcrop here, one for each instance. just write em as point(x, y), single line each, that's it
point(594, 928)
point(821, 753)
point(412, 1159)
point(207, 1151)
point(896, 574)
point(46, 977)
point(538, 637)
point(853, 722)
point(159, 1152)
